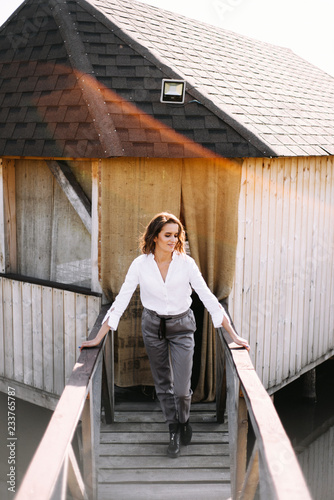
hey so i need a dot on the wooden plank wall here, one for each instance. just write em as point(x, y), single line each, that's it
point(59, 245)
point(40, 331)
point(283, 295)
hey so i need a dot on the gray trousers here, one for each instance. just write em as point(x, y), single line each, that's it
point(171, 361)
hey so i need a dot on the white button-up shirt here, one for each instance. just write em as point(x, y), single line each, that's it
point(169, 297)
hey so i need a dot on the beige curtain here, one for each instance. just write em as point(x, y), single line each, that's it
point(133, 190)
point(210, 195)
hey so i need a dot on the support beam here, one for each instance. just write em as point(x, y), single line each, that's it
point(75, 481)
point(8, 208)
point(309, 386)
point(252, 477)
point(95, 240)
point(2, 222)
point(73, 191)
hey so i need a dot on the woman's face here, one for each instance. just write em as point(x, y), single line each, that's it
point(167, 238)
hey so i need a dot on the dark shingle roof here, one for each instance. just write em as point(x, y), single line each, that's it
point(285, 101)
point(83, 78)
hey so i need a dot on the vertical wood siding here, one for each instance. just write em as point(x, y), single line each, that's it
point(40, 331)
point(283, 295)
point(48, 226)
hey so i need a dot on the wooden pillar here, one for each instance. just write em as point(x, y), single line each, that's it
point(309, 386)
point(8, 245)
point(95, 235)
point(2, 221)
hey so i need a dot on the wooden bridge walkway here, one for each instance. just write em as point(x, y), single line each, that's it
point(126, 459)
point(133, 464)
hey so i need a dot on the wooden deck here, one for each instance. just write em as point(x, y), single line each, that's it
point(133, 463)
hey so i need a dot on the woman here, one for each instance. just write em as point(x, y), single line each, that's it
point(166, 276)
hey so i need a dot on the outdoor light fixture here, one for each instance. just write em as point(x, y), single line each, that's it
point(173, 91)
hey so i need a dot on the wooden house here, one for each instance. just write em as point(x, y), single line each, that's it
point(89, 153)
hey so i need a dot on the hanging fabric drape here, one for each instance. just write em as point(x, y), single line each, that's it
point(133, 190)
point(210, 195)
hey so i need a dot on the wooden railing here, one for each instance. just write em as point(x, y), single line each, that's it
point(271, 470)
point(41, 323)
point(55, 467)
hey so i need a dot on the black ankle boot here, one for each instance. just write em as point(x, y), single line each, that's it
point(173, 449)
point(186, 433)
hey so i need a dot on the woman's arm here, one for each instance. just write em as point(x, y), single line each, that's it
point(119, 305)
point(234, 336)
point(212, 304)
point(100, 335)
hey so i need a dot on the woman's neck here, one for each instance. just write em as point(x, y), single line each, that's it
point(162, 257)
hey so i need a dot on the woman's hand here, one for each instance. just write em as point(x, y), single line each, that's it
point(234, 336)
point(100, 335)
point(240, 341)
point(89, 343)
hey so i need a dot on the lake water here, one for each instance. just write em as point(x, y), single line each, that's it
point(30, 423)
point(309, 426)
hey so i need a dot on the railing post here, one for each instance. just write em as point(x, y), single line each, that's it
point(232, 387)
point(108, 379)
point(241, 452)
point(238, 429)
point(220, 379)
point(91, 431)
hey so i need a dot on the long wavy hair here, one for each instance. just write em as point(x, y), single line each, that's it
point(147, 243)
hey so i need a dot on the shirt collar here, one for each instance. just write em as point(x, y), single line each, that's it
point(151, 255)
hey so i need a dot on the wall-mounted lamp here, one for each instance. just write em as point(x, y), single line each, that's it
point(173, 91)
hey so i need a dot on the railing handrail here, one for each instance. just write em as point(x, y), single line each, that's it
point(278, 468)
point(55, 449)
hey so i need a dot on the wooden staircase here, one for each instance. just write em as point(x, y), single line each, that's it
point(133, 464)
